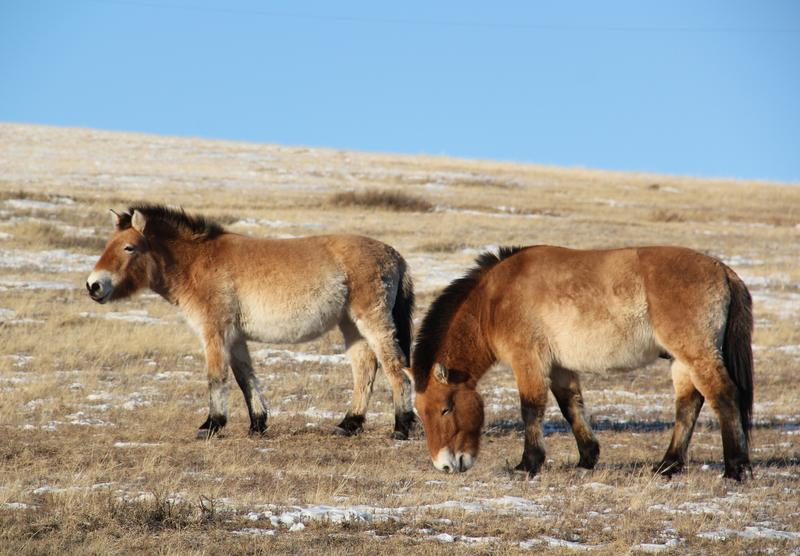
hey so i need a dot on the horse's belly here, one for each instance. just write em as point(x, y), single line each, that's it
point(298, 317)
point(624, 343)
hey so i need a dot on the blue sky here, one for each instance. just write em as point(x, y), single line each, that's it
point(683, 87)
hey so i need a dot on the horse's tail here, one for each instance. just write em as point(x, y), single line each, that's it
point(403, 310)
point(737, 347)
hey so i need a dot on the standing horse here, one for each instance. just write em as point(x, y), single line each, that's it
point(234, 288)
point(551, 312)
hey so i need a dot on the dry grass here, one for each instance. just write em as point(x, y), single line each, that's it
point(97, 414)
point(392, 200)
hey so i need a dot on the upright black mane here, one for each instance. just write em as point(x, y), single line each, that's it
point(173, 220)
point(441, 312)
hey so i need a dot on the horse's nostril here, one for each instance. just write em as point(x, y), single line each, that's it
point(94, 288)
point(461, 463)
point(446, 468)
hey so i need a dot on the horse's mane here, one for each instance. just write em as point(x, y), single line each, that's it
point(172, 220)
point(443, 309)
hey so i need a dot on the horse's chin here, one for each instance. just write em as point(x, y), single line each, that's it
point(102, 300)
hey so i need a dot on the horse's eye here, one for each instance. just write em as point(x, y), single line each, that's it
point(129, 248)
point(447, 409)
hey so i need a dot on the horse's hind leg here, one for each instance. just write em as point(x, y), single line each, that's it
point(566, 388)
point(688, 402)
point(245, 376)
point(711, 379)
point(380, 335)
point(365, 365)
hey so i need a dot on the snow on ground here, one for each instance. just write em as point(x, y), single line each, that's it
point(30, 204)
point(270, 356)
point(755, 532)
point(125, 445)
point(19, 284)
point(134, 315)
point(48, 260)
point(430, 272)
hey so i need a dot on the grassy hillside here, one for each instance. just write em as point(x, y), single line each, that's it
point(99, 404)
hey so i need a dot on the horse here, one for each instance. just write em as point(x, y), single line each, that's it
point(234, 288)
point(551, 313)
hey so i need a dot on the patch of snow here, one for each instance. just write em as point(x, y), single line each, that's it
point(134, 315)
point(270, 356)
point(561, 543)
point(6, 314)
point(756, 532)
point(431, 272)
point(124, 445)
point(654, 548)
point(53, 260)
point(16, 506)
point(254, 532)
point(6, 284)
point(30, 204)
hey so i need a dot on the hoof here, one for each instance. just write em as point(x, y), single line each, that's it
point(211, 427)
point(589, 456)
point(399, 435)
point(351, 425)
point(526, 469)
point(738, 472)
point(668, 468)
point(258, 425)
point(403, 425)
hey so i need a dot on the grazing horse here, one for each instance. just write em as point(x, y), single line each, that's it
point(551, 313)
point(234, 288)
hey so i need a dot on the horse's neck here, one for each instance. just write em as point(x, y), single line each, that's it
point(174, 261)
point(465, 345)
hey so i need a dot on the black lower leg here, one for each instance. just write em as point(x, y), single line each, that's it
point(687, 410)
point(588, 447)
point(403, 423)
point(212, 425)
point(350, 425)
point(258, 423)
point(533, 455)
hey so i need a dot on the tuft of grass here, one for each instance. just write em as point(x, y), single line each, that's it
point(393, 200)
point(664, 215)
point(442, 246)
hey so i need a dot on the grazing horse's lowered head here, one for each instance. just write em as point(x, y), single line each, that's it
point(452, 413)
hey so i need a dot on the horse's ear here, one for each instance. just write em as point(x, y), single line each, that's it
point(440, 373)
point(116, 218)
point(138, 221)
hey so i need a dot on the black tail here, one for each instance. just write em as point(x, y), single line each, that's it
point(737, 347)
point(403, 311)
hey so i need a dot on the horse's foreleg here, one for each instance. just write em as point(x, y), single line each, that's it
point(688, 402)
point(217, 368)
point(566, 388)
point(245, 376)
point(532, 384)
point(364, 365)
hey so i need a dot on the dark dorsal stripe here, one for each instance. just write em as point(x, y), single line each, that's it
point(443, 309)
point(173, 221)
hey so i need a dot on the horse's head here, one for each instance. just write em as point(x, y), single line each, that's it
point(125, 265)
point(452, 413)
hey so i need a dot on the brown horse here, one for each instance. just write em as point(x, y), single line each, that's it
point(551, 312)
point(234, 288)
